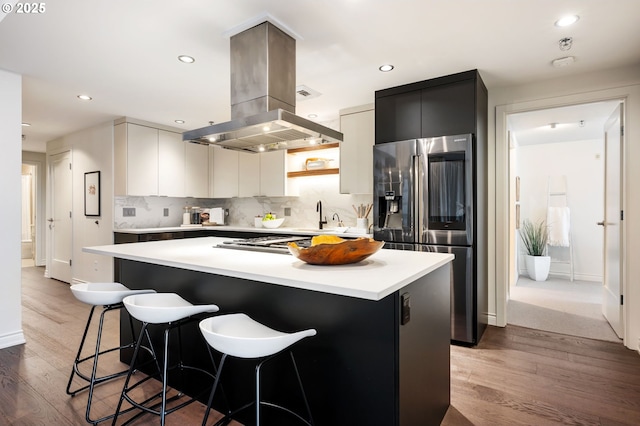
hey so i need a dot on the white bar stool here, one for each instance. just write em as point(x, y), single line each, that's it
point(173, 311)
point(240, 336)
point(109, 296)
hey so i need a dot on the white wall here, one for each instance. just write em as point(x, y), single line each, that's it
point(10, 169)
point(91, 150)
point(604, 85)
point(582, 164)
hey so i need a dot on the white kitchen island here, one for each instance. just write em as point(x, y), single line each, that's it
point(373, 361)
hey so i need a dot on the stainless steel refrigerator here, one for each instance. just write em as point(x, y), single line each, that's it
point(424, 199)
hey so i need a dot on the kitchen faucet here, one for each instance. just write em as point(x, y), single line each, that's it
point(339, 220)
point(319, 210)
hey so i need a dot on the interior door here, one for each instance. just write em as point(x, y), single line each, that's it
point(612, 285)
point(60, 229)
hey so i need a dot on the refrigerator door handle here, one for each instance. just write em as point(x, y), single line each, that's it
point(416, 198)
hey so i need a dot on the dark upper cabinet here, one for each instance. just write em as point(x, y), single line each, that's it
point(449, 105)
point(398, 117)
point(448, 109)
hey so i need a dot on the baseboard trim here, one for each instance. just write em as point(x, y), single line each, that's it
point(12, 339)
point(492, 319)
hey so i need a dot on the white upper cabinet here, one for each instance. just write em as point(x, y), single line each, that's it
point(356, 151)
point(273, 175)
point(196, 166)
point(136, 157)
point(223, 172)
point(239, 174)
point(248, 174)
point(148, 161)
point(171, 164)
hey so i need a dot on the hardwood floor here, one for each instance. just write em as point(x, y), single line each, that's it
point(515, 376)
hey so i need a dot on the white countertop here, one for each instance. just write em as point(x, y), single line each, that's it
point(346, 231)
point(373, 278)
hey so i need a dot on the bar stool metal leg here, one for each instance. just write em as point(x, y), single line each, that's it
point(93, 380)
point(169, 311)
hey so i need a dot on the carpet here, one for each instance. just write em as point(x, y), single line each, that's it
point(560, 306)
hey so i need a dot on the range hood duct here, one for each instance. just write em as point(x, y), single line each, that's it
point(263, 98)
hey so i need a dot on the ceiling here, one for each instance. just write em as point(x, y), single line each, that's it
point(124, 53)
point(563, 124)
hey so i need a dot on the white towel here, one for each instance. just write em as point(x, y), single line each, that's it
point(558, 223)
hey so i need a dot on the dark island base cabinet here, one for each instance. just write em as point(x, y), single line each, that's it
point(362, 368)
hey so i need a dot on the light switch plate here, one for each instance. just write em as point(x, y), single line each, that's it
point(166, 212)
point(128, 211)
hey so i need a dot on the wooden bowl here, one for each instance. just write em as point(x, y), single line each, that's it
point(332, 250)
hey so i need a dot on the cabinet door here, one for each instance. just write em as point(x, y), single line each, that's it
point(448, 109)
point(196, 170)
point(171, 164)
point(356, 152)
point(142, 160)
point(248, 174)
point(273, 174)
point(397, 117)
point(120, 159)
point(224, 172)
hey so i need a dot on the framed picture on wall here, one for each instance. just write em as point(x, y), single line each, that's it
point(92, 193)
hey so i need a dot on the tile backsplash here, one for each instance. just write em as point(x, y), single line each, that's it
point(150, 211)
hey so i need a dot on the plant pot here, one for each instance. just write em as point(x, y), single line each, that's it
point(538, 267)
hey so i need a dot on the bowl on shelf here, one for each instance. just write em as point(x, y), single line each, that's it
point(333, 250)
point(272, 223)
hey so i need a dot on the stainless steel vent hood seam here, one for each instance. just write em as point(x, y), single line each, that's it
point(263, 98)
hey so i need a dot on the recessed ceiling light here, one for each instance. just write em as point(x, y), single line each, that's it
point(312, 115)
point(186, 59)
point(85, 97)
point(386, 68)
point(565, 21)
point(26, 124)
point(179, 121)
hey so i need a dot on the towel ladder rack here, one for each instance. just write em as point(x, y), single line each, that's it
point(560, 198)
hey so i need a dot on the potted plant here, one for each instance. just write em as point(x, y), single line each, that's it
point(534, 237)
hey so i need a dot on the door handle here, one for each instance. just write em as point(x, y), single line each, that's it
point(50, 219)
point(600, 223)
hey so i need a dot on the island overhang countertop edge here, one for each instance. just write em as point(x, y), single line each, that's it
point(374, 278)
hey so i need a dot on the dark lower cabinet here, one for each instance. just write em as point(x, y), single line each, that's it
point(365, 366)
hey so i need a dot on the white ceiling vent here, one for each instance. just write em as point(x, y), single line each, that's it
point(304, 93)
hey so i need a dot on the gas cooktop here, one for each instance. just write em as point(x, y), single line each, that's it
point(269, 243)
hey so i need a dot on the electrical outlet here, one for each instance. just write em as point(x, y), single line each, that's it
point(128, 211)
point(166, 212)
point(287, 211)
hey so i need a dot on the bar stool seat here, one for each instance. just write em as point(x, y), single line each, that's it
point(240, 336)
point(172, 311)
point(109, 295)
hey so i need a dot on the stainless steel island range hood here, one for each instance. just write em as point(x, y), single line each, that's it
point(263, 98)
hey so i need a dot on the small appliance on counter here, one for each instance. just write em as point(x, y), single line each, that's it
point(218, 216)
